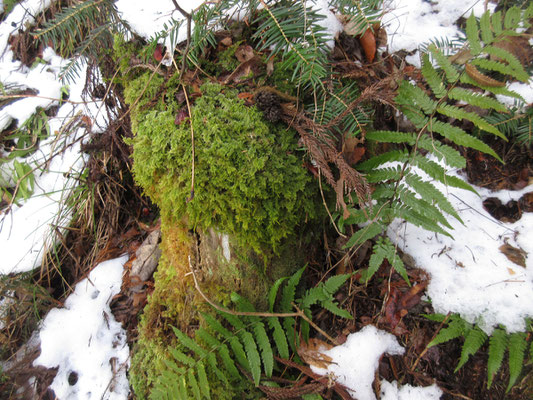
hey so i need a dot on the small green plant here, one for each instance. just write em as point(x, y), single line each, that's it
point(18, 174)
point(515, 343)
point(399, 189)
point(249, 344)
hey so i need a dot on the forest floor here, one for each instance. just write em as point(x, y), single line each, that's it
point(122, 217)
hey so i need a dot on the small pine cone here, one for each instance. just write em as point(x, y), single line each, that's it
point(270, 104)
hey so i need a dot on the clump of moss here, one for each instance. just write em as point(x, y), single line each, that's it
point(249, 182)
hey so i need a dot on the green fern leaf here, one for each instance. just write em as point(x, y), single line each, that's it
point(419, 220)
point(287, 297)
point(473, 341)
point(289, 291)
point(366, 233)
point(313, 296)
point(493, 65)
point(391, 137)
point(486, 29)
point(516, 69)
point(223, 352)
point(432, 77)
point(456, 328)
point(267, 355)
point(173, 366)
point(431, 193)
point(476, 99)
point(333, 308)
point(409, 94)
point(435, 317)
point(421, 206)
point(390, 156)
point(451, 73)
point(381, 250)
point(254, 360)
point(438, 173)
point(466, 79)
point(513, 17)
point(456, 112)
point(189, 343)
point(278, 334)
point(472, 35)
point(193, 383)
point(333, 284)
point(183, 388)
point(273, 292)
point(203, 381)
point(461, 138)
point(442, 151)
point(384, 174)
point(497, 20)
point(497, 345)
point(234, 342)
point(517, 352)
point(182, 358)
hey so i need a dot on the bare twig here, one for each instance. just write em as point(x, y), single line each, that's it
point(188, 17)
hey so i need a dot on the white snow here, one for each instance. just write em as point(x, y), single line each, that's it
point(410, 23)
point(356, 360)
point(469, 274)
point(391, 391)
point(523, 89)
point(84, 340)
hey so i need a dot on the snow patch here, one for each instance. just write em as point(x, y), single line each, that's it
point(85, 341)
point(354, 363)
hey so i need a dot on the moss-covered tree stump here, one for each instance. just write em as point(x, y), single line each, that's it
point(241, 227)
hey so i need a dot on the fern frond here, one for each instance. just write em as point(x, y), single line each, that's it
point(473, 342)
point(428, 191)
point(517, 352)
point(366, 233)
point(273, 292)
point(390, 156)
point(461, 138)
point(476, 99)
point(452, 75)
point(512, 18)
point(409, 94)
point(486, 28)
point(497, 345)
point(438, 173)
point(384, 174)
point(472, 35)
point(516, 69)
point(252, 355)
point(422, 207)
point(263, 342)
point(203, 382)
point(384, 249)
point(458, 113)
point(278, 334)
point(193, 383)
point(456, 328)
point(466, 79)
point(432, 77)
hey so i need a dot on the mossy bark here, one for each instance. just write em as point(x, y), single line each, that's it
point(243, 229)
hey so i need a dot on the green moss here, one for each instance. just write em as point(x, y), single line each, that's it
point(249, 182)
point(227, 59)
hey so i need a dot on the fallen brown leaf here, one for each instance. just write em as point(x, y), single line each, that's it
point(513, 254)
point(311, 353)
